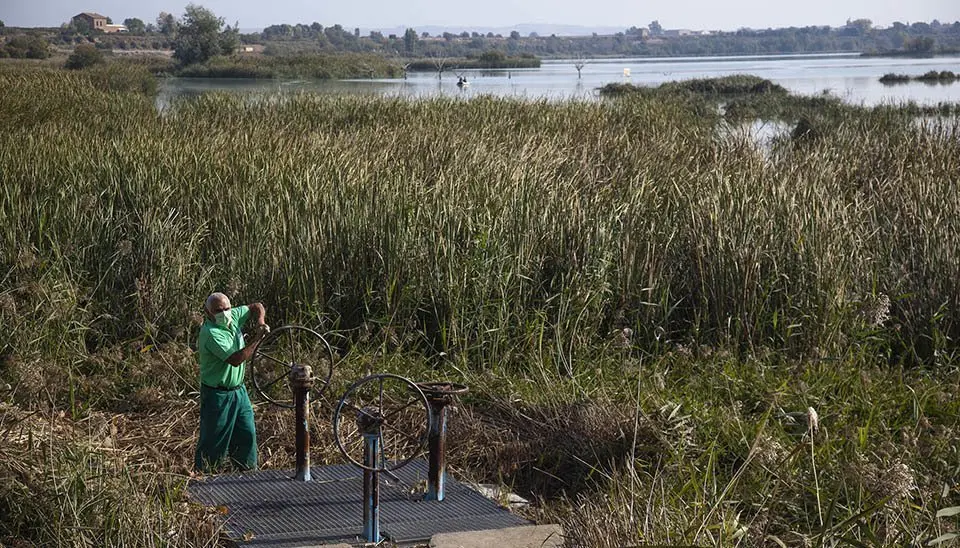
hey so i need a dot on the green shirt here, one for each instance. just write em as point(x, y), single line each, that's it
point(216, 344)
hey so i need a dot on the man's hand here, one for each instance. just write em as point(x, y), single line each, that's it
point(253, 338)
point(259, 332)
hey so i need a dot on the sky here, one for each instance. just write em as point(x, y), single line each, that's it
point(373, 14)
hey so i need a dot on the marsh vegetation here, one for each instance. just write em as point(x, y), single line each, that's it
point(646, 310)
point(933, 76)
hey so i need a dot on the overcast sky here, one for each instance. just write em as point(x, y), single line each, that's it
point(692, 14)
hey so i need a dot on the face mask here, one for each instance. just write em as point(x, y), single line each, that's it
point(224, 319)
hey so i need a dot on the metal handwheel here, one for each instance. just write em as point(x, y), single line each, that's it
point(389, 407)
point(279, 351)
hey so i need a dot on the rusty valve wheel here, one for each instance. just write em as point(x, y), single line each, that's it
point(443, 389)
point(279, 352)
point(390, 407)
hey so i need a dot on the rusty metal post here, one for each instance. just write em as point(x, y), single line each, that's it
point(437, 442)
point(301, 380)
point(368, 421)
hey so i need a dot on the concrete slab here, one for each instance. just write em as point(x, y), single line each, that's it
point(500, 495)
point(527, 536)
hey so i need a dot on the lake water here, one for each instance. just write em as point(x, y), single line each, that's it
point(853, 78)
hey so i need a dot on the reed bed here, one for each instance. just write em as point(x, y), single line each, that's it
point(289, 66)
point(645, 307)
point(469, 226)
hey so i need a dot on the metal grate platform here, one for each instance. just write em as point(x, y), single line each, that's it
point(280, 511)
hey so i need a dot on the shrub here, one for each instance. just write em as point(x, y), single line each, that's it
point(737, 84)
point(117, 77)
point(493, 56)
point(891, 78)
point(83, 56)
point(27, 47)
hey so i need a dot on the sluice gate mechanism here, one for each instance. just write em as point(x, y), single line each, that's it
point(386, 490)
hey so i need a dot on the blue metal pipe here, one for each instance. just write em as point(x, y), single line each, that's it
point(371, 487)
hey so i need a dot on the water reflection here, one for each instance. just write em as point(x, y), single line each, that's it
point(854, 79)
point(766, 135)
point(762, 134)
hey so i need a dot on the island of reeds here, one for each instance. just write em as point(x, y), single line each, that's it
point(930, 77)
point(672, 334)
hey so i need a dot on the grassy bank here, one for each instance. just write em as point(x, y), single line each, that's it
point(644, 308)
point(251, 66)
point(912, 54)
point(482, 62)
point(320, 66)
point(740, 98)
point(737, 97)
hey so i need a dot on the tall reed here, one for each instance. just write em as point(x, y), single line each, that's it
point(642, 304)
point(492, 228)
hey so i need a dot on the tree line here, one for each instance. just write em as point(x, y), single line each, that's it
point(653, 40)
point(199, 34)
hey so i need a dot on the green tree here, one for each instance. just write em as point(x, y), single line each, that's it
point(230, 39)
point(898, 39)
point(655, 28)
point(859, 27)
point(167, 24)
point(135, 26)
point(81, 26)
point(83, 56)
point(198, 38)
point(410, 40)
point(920, 44)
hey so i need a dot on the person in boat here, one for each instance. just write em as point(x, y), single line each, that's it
point(227, 432)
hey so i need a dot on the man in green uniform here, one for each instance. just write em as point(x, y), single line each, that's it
point(226, 415)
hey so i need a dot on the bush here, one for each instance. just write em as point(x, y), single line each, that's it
point(153, 64)
point(807, 130)
point(934, 76)
point(738, 84)
point(122, 77)
point(892, 78)
point(83, 56)
point(493, 56)
point(27, 47)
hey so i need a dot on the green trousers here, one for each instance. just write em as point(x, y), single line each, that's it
point(227, 433)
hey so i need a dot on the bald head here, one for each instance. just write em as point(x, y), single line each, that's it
point(216, 302)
